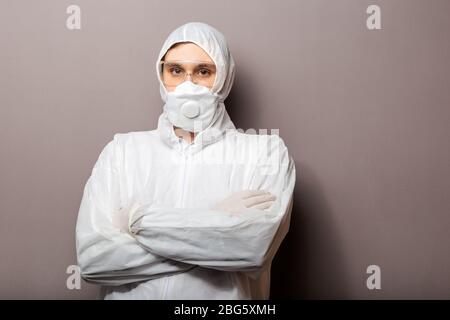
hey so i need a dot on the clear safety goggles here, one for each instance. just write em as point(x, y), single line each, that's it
point(175, 72)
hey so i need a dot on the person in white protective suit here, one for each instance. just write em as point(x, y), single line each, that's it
point(194, 209)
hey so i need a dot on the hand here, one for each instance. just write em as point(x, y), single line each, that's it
point(239, 201)
point(121, 218)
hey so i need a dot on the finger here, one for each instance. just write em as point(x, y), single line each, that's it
point(263, 206)
point(252, 193)
point(249, 202)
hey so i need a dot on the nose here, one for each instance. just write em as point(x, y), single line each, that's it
point(191, 78)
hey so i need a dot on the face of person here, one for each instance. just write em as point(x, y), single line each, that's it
point(187, 62)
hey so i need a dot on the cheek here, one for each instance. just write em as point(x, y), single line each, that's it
point(213, 80)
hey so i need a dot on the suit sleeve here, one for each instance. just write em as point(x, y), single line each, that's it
point(105, 254)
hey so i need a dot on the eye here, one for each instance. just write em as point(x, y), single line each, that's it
point(204, 72)
point(176, 71)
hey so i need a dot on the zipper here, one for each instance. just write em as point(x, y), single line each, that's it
point(183, 187)
point(183, 179)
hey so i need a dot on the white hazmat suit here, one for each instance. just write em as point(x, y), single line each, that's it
point(149, 226)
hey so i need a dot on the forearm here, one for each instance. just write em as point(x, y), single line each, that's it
point(108, 256)
point(208, 238)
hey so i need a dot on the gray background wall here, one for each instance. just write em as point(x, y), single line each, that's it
point(364, 113)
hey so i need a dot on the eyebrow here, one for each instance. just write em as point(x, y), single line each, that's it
point(206, 65)
point(177, 64)
point(172, 64)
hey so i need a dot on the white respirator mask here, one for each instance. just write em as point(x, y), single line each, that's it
point(191, 107)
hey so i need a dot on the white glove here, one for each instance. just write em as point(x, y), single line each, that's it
point(121, 218)
point(239, 201)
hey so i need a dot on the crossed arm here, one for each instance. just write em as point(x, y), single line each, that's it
point(172, 240)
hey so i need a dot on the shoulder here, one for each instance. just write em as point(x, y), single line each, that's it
point(133, 139)
point(124, 142)
point(125, 138)
point(267, 151)
point(264, 143)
